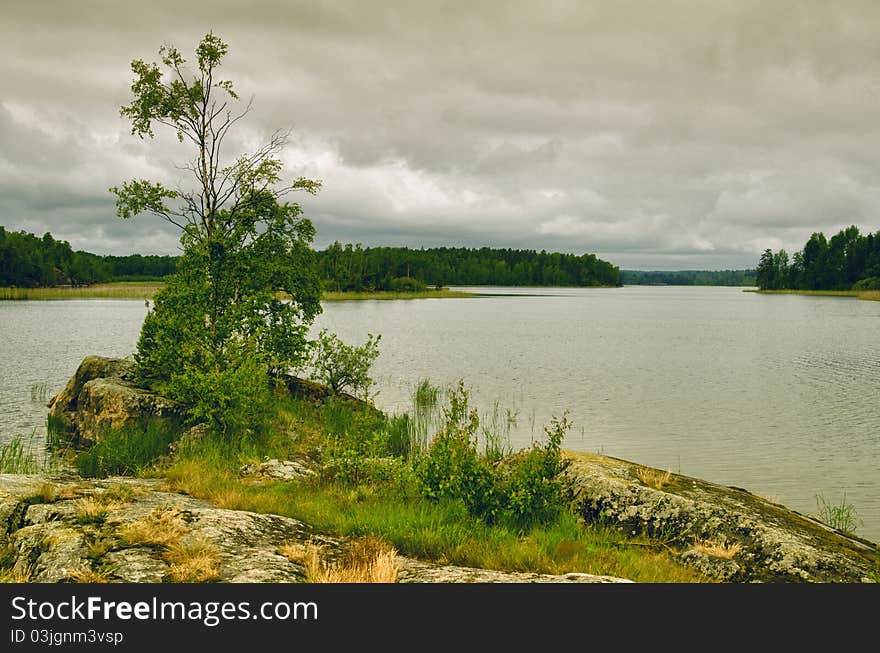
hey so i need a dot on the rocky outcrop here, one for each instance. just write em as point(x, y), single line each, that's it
point(138, 531)
point(279, 470)
point(724, 532)
point(101, 397)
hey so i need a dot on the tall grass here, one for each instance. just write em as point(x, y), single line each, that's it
point(119, 290)
point(428, 293)
point(841, 516)
point(23, 456)
point(39, 392)
point(424, 416)
point(127, 451)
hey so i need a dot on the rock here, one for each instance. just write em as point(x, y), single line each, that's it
point(102, 396)
point(279, 470)
point(767, 541)
point(415, 571)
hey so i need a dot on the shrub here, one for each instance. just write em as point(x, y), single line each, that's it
point(871, 283)
point(453, 468)
point(406, 284)
point(531, 489)
point(344, 367)
point(235, 401)
point(522, 490)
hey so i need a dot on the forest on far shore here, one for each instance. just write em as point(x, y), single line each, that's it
point(848, 261)
point(30, 261)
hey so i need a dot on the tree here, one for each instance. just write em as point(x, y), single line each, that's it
point(220, 318)
point(766, 271)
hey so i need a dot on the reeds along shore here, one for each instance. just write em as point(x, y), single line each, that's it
point(146, 290)
point(870, 295)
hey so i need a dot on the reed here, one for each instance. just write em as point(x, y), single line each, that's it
point(119, 290)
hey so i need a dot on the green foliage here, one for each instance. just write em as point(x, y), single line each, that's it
point(126, 451)
point(347, 268)
point(688, 277)
point(841, 516)
point(849, 260)
point(20, 456)
point(234, 402)
point(29, 261)
point(344, 367)
point(871, 283)
point(531, 485)
point(218, 329)
point(452, 468)
point(406, 284)
point(422, 420)
point(520, 490)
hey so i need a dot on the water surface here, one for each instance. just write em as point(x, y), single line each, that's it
point(775, 394)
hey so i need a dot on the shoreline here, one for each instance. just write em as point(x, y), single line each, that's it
point(867, 295)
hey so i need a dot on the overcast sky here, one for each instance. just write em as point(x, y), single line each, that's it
point(658, 135)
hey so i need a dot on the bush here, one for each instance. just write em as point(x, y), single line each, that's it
point(344, 367)
point(531, 487)
point(452, 467)
point(406, 284)
point(234, 402)
point(871, 283)
point(522, 490)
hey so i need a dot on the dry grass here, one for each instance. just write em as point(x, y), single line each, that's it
point(653, 477)
point(368, 560)
point(98, 547)
point(196, 561)
point(17, 574)
point(96, 507)
point(50, 493)
point(162, 527)
point(89, 575)
point(717, 549)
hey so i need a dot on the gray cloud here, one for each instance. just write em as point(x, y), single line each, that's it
point(673, 135)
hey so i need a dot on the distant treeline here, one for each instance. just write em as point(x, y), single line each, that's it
point(849, 261)
point(347, 267)
point(688, 278)
point(29, 261)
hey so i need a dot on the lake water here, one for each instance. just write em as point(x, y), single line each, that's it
point(775, 394)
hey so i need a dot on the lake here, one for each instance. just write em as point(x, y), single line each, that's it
point(777, 394)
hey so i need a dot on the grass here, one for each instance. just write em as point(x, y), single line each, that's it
point(195, 561)
point(870, 295)
point(368, 560)
point(368, 489)
point(95, 508)
point(126, 451)
point(439, 531)
point(22, 456)
point(147, 289)
point(39, 392)
point(841, 516)
point(162, 527)
point(444, 293)
point(717, 549)
point(89, 575)
point(653, 477)
point(116, 290)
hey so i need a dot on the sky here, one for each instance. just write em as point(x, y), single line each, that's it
point(657, 135)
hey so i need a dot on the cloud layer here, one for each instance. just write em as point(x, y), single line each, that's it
point(657, 135)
